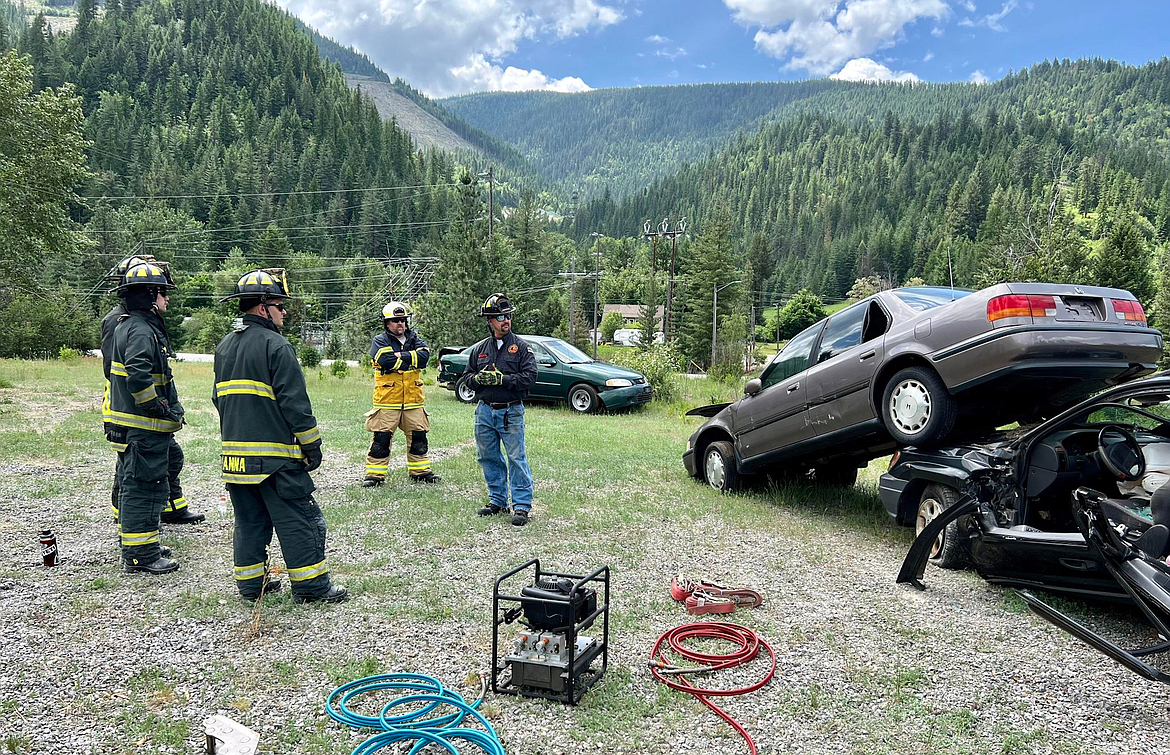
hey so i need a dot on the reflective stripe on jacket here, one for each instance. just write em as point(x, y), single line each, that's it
point(265, 417)
point(398, 370)
point(139, 374)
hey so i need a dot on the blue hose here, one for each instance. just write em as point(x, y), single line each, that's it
point(397, 728)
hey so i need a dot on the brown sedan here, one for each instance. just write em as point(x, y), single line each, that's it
point(913, 366)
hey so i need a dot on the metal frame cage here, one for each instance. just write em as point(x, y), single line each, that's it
point(580, 674)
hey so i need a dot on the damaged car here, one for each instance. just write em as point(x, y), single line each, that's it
point(1078, 504)
point(916, 365)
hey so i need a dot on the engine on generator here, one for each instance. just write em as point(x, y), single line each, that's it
point(549, 656)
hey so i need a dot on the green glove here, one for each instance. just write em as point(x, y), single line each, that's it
point(489, 377)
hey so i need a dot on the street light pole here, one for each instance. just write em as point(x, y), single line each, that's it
point(715, 316)
point(596, 288)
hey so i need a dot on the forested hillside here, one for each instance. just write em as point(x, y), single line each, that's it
point(621, 139)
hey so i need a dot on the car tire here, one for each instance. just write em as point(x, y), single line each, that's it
point(948, 551)
point(719, 467)
point(917, 409)
point(836, 476)
point(582, 398)
point(463, 390)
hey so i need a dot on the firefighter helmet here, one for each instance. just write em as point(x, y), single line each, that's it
point(395, 309)
point(496, 304)
point(270, 283)
point(145, 274)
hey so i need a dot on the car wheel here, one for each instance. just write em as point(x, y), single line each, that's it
point(463, 390)
point(916, 407)
point(582, 398)
point(947, 552)
point(836, 476)
point(719, 467)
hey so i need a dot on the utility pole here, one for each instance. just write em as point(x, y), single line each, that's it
point(596, 288)
point(491, 202)
point(664, 230)
point(777, 326)
point(572, 299)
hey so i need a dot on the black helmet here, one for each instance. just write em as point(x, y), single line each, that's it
point(119, 271)
point(261, 284)
point(496, 304)
point(145, 274)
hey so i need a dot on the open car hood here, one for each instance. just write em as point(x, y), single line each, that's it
point(708, 411)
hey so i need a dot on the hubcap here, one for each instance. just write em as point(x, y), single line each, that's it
point(715, 471)
point(465, 392)
point(581, 401)
point(928, 511)
point(910, 406)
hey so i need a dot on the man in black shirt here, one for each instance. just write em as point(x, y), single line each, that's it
point(502, 370)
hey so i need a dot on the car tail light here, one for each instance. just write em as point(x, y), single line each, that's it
point(1129, 310)
point(1021, 305)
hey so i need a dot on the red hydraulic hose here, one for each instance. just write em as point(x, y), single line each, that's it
point(673, 676)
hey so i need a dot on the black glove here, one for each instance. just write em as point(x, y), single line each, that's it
point(312, 457)
point(158, 408)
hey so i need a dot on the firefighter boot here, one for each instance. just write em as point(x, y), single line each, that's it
point(427, 476)
point(158, 566)
point(336, 594)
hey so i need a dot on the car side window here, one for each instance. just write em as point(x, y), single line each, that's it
point(539, 352)
point(842, 332)
point(792, 359)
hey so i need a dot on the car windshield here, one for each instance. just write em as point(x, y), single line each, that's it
point(566, 352)
point(1149, 412)
point(922, 298)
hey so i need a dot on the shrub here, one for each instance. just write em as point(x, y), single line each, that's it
point(65, 353)
point(333, 347)
point(659, 364)
point(206, 329)
point(366, 362)
point(340, 368)
point(31, 329)
point(308, 355)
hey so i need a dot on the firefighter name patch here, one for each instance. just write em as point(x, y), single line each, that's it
point(512, 349)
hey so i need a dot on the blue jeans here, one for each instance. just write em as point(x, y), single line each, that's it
point(493, 427)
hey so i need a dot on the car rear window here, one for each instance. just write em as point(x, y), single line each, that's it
point(922, 299)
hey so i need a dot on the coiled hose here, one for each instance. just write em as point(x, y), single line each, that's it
point(673, 676)
point(406, 726)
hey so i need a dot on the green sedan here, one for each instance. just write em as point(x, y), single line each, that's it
point(564, 373)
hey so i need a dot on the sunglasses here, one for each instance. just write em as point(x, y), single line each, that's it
point(501, 318)
point(279, 307)
point(396, 319)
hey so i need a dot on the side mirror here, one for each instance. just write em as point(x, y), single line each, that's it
point(753, 387)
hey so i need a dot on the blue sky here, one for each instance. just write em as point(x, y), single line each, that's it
point(447, 47)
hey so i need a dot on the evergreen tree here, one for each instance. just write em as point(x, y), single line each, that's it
point(1123, 262)
point(713, 267)
point(463, 279)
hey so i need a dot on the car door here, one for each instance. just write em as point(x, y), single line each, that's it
point(777, 416)
point(549, 375)
point(848, 355)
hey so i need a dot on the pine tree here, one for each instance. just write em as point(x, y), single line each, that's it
point(1123, 262)
point(450, 312)
point(714, 266)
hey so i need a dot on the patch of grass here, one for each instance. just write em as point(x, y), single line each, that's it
point(101, 584)
point(14, 744)
point(5, 383)
point(340, 673)
point(141, 728)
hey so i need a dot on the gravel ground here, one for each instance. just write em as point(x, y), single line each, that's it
point(96, 661)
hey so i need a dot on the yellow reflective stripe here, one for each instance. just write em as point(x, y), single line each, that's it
point(413, 358)
point(250, 572)
point(308, 436)
point(417, 464)
point(413, 406)
point(139, 538)
point(119, 447)
point(244, 387)
point(263, 448)
point(179, 503)
point(244, 479)
point(145, 395)
point(106, 403)
point(143, 423)
point(159, 378)
point(119, 369)
point(376, 468)
point(301, 573)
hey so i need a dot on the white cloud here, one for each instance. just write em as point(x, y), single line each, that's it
point(928, 57)
point(864, 69)
point(671, 54)
point(970, 6)
point(446, 47)
point(818, 36)
point(937, 31)
point(991, 20)
point(657, 39)
point(978, 77)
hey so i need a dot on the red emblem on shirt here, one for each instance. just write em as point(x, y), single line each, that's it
point(512, 349)
point(483, 356)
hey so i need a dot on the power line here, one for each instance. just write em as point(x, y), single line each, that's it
point(261, 193)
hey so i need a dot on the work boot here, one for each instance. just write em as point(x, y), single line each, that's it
point(372, 482)
point(427, 476)
point(491, 510)
point(160, 565)
point(519, 517)
point(269, 587)
point(182, 516)
point(163, 551)
point(336, 594)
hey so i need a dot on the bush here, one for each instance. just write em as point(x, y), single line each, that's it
point(366, 362)
point(30, 328)
point(340, 368)
point(659, 364)
point(308, 355)
point(206, 329)
point(333, 347)
point(65, 353)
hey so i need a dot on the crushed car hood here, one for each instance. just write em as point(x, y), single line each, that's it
point(708, 411)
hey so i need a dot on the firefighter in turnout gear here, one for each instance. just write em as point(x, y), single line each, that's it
point(176, 511)
point(398, 357)
point(144, 413)
point(270, 443)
